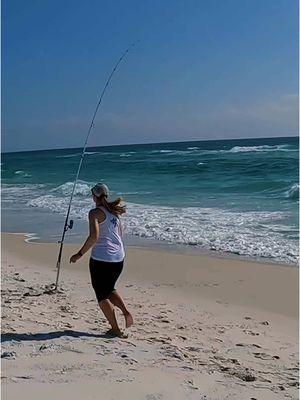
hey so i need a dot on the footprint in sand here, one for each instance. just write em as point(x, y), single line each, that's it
point(166, 340)
point(234, 361)
point(248, 332)
point(187, 368)
point(248, 345)
point(264, 323)
point(264, 356)
point(65, 308)
point(244, 376)
point(217, 340)
point(166, 321)
point(193, 348)
point(224, 303)
point(18, 278)
point(293, 383)
point(23, 377)
point(9, 355)
point(67, 325)
point(182, 337)
point(153, 396)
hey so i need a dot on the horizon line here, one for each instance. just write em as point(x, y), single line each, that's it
point(148, 143)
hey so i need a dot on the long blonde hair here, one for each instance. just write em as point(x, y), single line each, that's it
point(116, 207)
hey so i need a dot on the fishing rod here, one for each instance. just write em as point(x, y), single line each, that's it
point(69, 224)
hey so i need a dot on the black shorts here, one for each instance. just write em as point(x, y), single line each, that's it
point(104, 276)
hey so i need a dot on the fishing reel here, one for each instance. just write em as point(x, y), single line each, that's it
point(70, 225)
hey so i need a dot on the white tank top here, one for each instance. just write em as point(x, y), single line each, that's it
point(109, 246)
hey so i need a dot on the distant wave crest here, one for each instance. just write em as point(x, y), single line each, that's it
point(293, 192)
point(235, 149)
point(69, 155)
point(23, 174)
point(86, 153)
point(246, 149)
point(82, 188)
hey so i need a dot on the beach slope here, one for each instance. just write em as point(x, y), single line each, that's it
point(205, 328)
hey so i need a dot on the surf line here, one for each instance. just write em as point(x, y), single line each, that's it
point(69, 224)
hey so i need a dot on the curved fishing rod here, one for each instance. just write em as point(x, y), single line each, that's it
point(69, 225)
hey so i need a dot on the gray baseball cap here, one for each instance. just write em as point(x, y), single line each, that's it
point(100, 190)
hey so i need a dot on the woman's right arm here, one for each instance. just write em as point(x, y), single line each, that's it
point(94, 232)
point(93, 236)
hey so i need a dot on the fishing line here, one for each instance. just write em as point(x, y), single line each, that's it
point(69, 224)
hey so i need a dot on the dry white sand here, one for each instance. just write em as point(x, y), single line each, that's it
point(205, 328)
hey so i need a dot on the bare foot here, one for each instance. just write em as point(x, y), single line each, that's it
point(128, 320)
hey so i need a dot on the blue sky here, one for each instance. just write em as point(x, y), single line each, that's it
point(204, 69)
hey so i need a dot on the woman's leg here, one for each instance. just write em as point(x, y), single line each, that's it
point(109, 312)
point(117, 300)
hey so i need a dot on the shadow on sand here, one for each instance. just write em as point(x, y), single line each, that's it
point(6, 337)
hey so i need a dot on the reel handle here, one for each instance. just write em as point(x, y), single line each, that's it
point(69, 226)
point(71, 223)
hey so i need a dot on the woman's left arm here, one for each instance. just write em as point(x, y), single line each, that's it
point(91, 239)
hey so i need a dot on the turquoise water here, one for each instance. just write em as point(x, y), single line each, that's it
point(239, 196)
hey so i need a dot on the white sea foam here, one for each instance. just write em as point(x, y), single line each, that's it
point(245, 233)
point(293, 192)
point(82, 188)
point(10, 193)
point(69, 155)
point(235, 149)
point(127, 153)
point(246, 149)
point(162, 151)
point(59, 205)
point(213, 228)
point(21, 186)
point(31, 237)
point(86, 153)
point(23, 174)
point(173, 152)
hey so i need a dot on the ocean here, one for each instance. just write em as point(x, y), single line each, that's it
point(238, 196)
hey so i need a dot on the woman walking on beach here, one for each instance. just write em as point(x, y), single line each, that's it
point(107, 256)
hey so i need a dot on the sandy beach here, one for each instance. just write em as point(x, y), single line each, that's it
point(205, 328)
